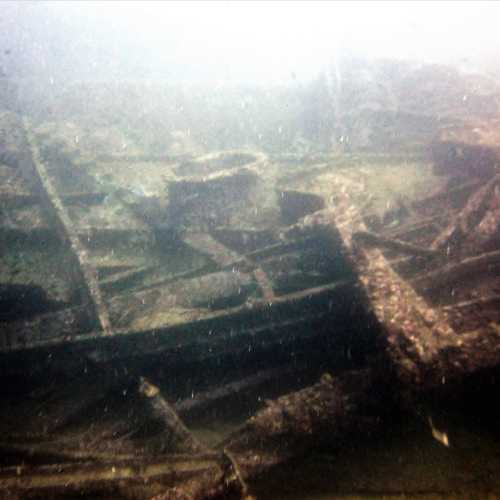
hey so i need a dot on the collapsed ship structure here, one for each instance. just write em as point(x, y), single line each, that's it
point(128, 265)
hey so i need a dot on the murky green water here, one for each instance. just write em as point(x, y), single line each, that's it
point(171, 178)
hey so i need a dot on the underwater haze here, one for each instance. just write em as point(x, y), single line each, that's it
point(236, 42)
point(249, 250)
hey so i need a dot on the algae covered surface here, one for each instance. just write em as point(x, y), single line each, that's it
point(200, 210)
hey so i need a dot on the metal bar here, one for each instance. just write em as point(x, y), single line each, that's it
point(34, 169)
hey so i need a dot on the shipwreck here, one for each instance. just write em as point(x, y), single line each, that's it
point(126, 274)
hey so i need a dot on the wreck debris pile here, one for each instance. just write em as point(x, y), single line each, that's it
point(432, 282)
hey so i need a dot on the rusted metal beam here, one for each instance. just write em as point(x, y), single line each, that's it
point(376, 240)
point(36, 173)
